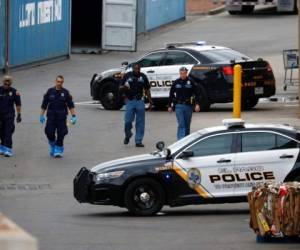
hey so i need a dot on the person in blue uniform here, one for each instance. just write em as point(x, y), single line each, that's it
point(134, 86)
point(183, 95)
point(9, 99)
point(57, 101)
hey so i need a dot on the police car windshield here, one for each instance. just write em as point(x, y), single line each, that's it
point(223, 55)
point(184, 141)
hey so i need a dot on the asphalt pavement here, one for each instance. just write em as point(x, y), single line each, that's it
point(36, 191)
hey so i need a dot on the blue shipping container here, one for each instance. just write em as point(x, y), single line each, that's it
point(38, 30)
point(160, 12)
point(2, 34)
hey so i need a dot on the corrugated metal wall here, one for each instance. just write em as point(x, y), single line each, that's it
point(141, 18)
point(38, 30)
point(160, 12)
point(2, 33)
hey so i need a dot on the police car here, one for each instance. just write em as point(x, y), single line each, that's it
point(213, 165)
point(210, 66)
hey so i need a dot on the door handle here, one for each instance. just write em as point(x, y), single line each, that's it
point(286, 156)
point(224, 161)
point(150, 71)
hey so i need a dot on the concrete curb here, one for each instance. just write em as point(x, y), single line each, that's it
point(13, 237)
point(217, 10)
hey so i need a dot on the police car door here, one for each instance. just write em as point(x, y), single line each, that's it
point(265, 156)
point(169, 71)
point(149, 66)
point(209, 159)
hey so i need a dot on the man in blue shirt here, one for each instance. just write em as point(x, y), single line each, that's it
point(9, 98)
point(183, 94)
point(134, 86)
point(57, 101)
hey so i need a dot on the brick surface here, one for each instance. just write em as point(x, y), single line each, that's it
point(201, 6)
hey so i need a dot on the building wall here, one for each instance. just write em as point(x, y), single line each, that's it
point(2, 34)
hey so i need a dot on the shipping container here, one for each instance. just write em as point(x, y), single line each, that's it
point(160, 12)
point(2, 34)
point(38, 30)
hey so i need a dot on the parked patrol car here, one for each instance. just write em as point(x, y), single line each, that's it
point(213, 165)
point(210, 66)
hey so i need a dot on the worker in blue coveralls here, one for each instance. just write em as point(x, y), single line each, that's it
point(183, 95)
point(56, 102)
point(9, 98)
point(135, 85)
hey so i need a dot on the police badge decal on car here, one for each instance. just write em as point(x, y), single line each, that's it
point(194, 177)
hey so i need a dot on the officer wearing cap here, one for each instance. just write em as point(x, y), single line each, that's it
point(134, 86)
point(183, 94)
point(9, 97)
point(56, 102)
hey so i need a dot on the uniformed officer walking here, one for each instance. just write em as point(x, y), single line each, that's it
point(183, 94)
point(9, 97)
point(56, 102)
point(134, 86)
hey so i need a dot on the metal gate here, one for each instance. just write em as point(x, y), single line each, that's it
point(119, 25)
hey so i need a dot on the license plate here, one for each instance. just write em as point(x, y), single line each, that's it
point(259, 91)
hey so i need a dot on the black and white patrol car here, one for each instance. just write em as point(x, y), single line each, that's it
point(210, 66)
point(214, 165)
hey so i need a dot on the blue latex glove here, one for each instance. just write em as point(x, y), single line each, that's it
point(74, 119)
point(42, 119)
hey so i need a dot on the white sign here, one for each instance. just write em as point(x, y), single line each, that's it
point(41, 12)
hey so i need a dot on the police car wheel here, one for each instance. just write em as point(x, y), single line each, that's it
point(249, 103)
point(247, 9)
point(204, 101)
point(144, 197)
point(109, 96)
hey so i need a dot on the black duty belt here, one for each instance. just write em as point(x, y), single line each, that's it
point(187, 102)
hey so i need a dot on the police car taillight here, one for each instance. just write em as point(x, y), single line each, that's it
point(227, 71)
point(233, 123)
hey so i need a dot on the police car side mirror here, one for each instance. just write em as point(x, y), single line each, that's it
point(124, 64)
point(160, 145)
point(186, 154)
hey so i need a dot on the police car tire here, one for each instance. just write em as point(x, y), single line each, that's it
point(233, 12)
point(249, 103)
point(151, 186)
point(110, 87)
point(204, 101)
point(247, 9)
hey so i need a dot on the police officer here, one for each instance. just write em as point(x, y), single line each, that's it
point(9, 97)
point(57, 101)
point(183, 94)
point(134, 85)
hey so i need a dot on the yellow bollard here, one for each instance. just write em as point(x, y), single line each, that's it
point(237, 91)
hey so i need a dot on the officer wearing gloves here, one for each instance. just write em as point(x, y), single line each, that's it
point(57, 101)
point(9, 97)
point(134, 85)
point(183, 94)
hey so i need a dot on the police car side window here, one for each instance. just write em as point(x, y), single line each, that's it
point(179, 58)
point(216, 145)
point(152, 60)
point(285, 143)
point(258, 141)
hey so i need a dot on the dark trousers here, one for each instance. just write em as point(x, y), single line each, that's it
point(7, 128)
point(56, 130)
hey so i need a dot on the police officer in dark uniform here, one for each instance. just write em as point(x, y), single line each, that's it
point(9, 97)
point(57, 101)
point(134, 86)
point(183, 94)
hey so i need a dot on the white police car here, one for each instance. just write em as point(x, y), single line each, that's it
point(210, 66)
point(213, 165)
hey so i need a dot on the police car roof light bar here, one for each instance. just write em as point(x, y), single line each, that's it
point(234, 123)
point(199, 43)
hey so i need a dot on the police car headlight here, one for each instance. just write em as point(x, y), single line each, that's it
point(109, 175)
point(97, 78)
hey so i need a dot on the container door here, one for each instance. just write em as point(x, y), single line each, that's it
point(2, 32)
point(119, 25)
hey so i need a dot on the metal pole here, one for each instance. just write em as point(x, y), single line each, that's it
point(298, 57)
point(237, 91)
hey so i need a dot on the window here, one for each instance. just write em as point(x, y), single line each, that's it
point(179, 58)
point(216, 145)
point(224, 55)
point(258, 141)
point(285, 143)
point(152, 60)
